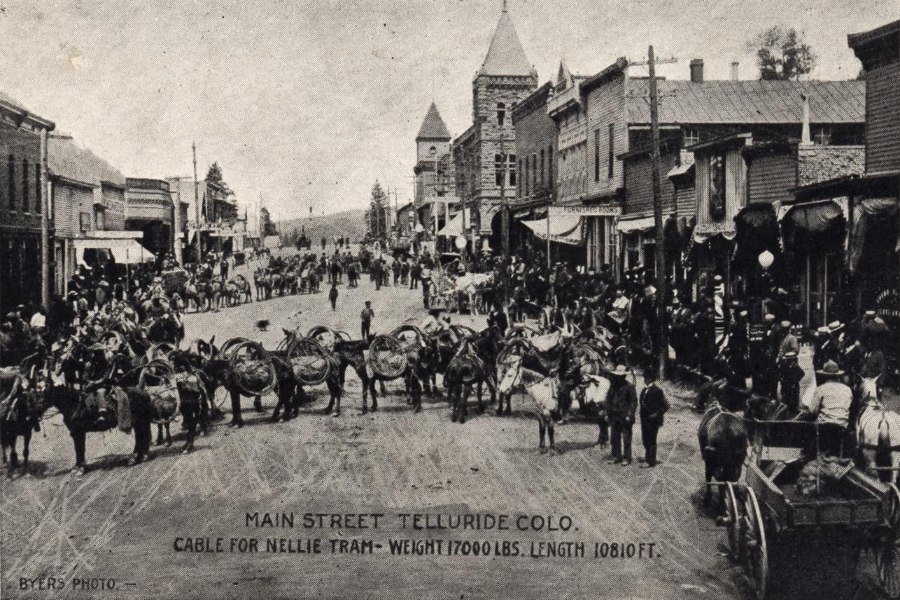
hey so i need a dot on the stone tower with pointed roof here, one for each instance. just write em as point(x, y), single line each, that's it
point(433, 139)
point(504, 78)
point(433, 170)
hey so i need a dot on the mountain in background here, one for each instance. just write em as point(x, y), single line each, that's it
point(345, 223)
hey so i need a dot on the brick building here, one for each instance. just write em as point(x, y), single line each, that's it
point(484, 156)
point(21, 198)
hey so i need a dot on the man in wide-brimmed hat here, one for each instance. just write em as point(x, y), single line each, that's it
point(621, 409)
point(832, 398)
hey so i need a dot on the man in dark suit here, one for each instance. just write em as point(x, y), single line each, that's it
point(653, 405)
point(621, 409)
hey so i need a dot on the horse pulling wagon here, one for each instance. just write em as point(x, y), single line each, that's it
point(788, 500)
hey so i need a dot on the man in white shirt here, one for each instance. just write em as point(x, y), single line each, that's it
point(831, 400)
point(38, 321)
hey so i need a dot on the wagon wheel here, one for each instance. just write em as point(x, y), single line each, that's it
point(755, 550)
point(733, 522)
point(886, 566)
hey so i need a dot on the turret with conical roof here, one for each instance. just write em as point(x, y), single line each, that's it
point(433, 127)
point(433, 140)
point(505, 55)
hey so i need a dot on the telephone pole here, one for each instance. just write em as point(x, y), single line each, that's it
point(503, 203)
point(197, 247)
point(661, 283)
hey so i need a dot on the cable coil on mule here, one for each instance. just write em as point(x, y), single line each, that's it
point(158, 379)
point(251, 367)
point(310, 361)
point(387, 357)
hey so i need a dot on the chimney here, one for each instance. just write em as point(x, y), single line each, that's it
point(805, 138)
point(735, 73)
point(697, 70)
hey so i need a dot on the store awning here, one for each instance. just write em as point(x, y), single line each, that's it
point(565, 230)
point(454, 227)
point(814, 227)
point(875, 239)
point(635, 225)
point(756, 229)
point(124, 251)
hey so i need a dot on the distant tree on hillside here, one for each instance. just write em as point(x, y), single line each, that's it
point(376, 216)
point(267, 227)
point(782, 54)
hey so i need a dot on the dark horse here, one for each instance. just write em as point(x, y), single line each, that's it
point(98, 410)
point(466, 369)
point(723, 446)
point(19, 415)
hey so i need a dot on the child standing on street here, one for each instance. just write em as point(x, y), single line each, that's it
point(333, 295)
point(366, 317)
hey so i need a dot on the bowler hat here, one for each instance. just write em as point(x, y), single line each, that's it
point(830, 369)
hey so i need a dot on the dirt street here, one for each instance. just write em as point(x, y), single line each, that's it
point(123, 526)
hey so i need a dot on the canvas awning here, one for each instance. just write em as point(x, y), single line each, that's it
point(125, 251)
point(634, 225)
point(454, 227)
point(815, 226)
point(565, 229)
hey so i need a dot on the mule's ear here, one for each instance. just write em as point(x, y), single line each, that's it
point(212, 341)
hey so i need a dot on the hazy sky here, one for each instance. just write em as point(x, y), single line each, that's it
point(310, 102)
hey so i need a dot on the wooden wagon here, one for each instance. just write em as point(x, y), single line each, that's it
point(845, 503)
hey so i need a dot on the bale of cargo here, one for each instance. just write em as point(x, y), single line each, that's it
point(310, 361)
point(159, 380)
point(387, 357)
point(251, 368)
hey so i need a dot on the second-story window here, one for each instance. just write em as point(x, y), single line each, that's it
point(519, 184)
point(550, 167)
point(822, 135)
point(38, 197)
point(25, 206)
point(542, 166)
point(498, 170)
point(596, 155)
point(11, 182)
point(501, 113)
point(690, 137)
point(611, 152)
point(512, 170)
